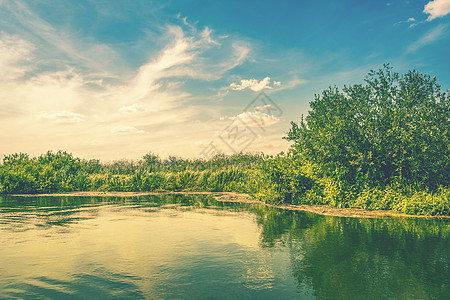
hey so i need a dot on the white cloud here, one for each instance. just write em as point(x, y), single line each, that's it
point(62, 116)
point(263, 107)
point(430, 37)
point(289, 84)
point(258, 119)
point(58, 42)
point(436, 9)
point(134, 108)
point(15, 56)
point(253, 84)
point(206, 36)
point(241, 53)
point(121, 129)
point(220, 94)
point(183, 57)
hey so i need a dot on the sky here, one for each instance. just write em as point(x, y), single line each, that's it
point(118, 79)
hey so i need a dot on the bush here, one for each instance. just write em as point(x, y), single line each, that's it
point(281, 179)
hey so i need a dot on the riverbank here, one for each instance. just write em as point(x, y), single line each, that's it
point(245, 198)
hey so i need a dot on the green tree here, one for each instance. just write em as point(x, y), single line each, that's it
point(151, 161)
point(395, 129)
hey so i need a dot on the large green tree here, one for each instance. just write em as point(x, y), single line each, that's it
point(394, 129)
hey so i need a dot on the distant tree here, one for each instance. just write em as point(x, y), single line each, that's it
point(92, 166)
point(151, 161)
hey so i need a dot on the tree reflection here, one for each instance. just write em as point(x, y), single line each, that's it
point(61, 211)
point(350, 258)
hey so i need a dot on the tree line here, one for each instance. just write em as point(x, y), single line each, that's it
point(62, 172)
point(384, 144)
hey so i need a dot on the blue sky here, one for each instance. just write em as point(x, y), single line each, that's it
point(118, 79)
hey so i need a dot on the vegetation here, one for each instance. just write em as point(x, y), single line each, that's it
point(384, 144)
point(61, 172)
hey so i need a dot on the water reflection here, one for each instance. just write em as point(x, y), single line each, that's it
point(178, 246)
point(350, 258)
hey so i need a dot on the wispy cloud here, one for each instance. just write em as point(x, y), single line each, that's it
point(257, 119)
point(62, 116)
point(134, 108)
point(436, 9)
point(122, 129)
point(411, 21)
point(430, 37)
point(60, 47)
point(254, 84)
point(290, 84)
point(49, 77)
point(15, 57)
point(261, 117)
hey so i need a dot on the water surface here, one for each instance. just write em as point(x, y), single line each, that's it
point(175, 246)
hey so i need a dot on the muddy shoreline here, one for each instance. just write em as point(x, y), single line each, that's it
point(244, 198)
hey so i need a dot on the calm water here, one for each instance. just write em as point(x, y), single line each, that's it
point(160, 247)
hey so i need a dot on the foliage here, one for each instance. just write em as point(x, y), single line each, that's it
point(48, 173)
point(61, 172)
point(382, 145)
point(393, 130)
point(281, 179)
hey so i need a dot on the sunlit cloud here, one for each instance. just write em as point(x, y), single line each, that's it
point(15, 56)
point(436, 9)
point(253, 84)
point(61, 47)
point(134, 108)
point(260, 117)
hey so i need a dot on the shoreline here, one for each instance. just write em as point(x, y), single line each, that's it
point(325, 210)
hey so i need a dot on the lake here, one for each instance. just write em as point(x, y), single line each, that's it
point(193, 247)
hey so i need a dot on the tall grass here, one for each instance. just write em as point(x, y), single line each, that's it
point(61, 172)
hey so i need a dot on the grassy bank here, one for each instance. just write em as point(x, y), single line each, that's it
point(275, 180)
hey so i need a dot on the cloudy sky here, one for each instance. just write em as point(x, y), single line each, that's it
point(118, 79)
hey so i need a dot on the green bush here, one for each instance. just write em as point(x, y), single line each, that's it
point(281, 180)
